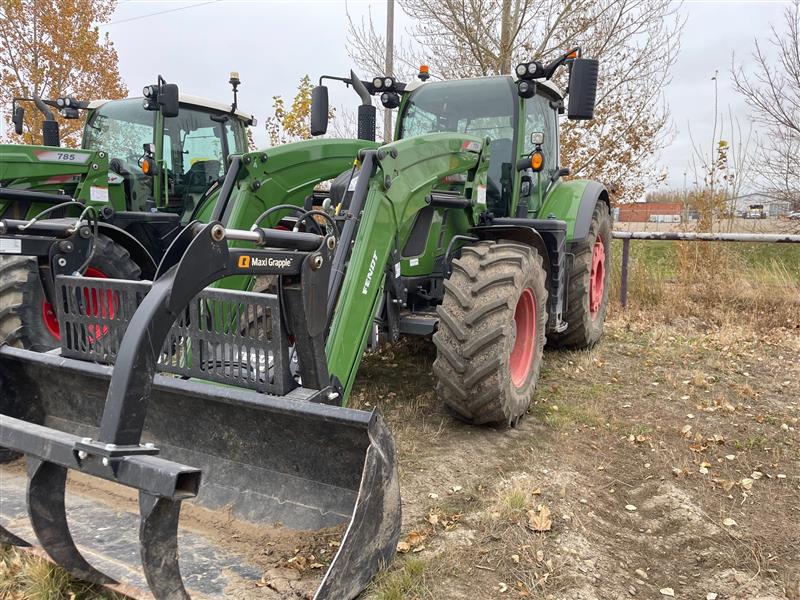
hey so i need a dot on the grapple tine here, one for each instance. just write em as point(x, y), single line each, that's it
point(158, 545)
point(6, 537)
point(46, 488)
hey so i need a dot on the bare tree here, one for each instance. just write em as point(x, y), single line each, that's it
point(636, 40)
point(772, 89)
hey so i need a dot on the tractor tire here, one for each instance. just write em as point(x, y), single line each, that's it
point(587, 294)
point(491, 332)
point(26, 319)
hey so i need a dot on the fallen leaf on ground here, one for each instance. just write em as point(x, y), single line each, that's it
point(667, 592)
point(630, 507)
point(728, 522)
point(539, 519)
point(412, 542)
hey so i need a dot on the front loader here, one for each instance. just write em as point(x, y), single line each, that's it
point(462, 230)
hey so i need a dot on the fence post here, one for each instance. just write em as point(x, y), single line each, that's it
point(623, 288)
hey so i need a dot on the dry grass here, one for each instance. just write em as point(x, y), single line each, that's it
point(405, 581)
point(28, 577)
point(718, 283)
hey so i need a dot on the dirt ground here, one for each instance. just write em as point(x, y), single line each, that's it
point(663, 463)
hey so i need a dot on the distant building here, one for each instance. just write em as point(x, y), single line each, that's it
point(651, 212)
point(774, 207)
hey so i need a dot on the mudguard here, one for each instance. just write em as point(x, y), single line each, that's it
point(574, 201)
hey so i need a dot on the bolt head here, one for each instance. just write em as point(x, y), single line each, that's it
point(316, 261)
point(218, 233)
point(105, 462)
point(62, 262)
point(82, 454)
point(333, 395)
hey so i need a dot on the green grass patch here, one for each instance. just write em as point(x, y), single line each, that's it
point(404, 583)
point(565, 416)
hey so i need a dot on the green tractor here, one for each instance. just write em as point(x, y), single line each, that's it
point(491, 260)
point(144, 166)
point(196, 387)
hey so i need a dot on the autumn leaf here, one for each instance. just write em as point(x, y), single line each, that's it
point(539, 520)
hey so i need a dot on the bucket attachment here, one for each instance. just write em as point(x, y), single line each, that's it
point(218, 397)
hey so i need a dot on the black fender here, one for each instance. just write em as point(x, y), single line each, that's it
point(548, 236)
point(135, 248)
point(593, 193)
point(524, 234)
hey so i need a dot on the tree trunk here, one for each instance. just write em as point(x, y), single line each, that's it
point(504, 60)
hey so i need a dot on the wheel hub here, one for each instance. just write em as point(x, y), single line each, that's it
point(597, 280)
point(49, 313)
point(523, 338)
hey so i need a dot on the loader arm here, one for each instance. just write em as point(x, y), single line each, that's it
point(287, 174)
point(405, 173)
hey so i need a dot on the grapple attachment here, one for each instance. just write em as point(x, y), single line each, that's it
point(261, 446)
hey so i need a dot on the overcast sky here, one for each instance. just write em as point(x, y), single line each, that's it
point(272, 43)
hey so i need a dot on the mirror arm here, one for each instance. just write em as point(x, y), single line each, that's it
point(559, 173)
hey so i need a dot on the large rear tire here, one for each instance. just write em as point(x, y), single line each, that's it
point(491, 332)
point(588, 285)
point(26, 318)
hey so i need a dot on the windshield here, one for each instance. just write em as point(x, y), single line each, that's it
point(485, 107)
point(121, 128)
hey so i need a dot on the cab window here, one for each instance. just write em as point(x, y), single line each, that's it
point(484, 107)
point(194, 153)
point(541, 118)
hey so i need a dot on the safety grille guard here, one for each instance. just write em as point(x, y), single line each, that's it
point(229, 337)
point(199, 256)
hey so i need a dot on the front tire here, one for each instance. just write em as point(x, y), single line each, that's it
point(26, 319)
point(491, 332)
point(588, 285)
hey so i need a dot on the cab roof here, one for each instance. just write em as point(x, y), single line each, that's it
point(545, 83)
point(196, 101)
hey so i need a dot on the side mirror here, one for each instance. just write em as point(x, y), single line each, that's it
point(18, 118)
point(319, 110)
point(168, 99)
point(583, 88)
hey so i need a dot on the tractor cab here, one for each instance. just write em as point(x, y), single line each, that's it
point(166, 163)
point(490, 107)
point(517, 115)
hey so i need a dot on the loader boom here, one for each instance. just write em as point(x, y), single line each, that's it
point(406, 173)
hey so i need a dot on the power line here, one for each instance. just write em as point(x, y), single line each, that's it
point(161, 12)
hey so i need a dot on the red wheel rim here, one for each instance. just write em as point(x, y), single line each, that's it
point(597, 281)
point(525, 340)
point(49, 314)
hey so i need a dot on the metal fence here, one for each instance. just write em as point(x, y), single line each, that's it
point(680, 236)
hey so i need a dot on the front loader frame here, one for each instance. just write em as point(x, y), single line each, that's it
point(198, 257)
